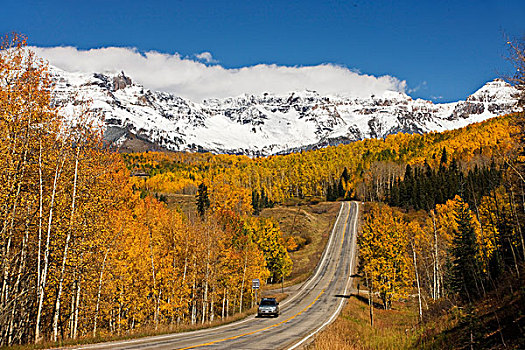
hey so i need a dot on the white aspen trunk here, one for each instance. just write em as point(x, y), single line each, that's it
point(157, 309)
point(16, 287)
point(193, 309)
point(184, 271)
point(436, 290)
point(212, 315)
point(111, 321)
point(4, 294)
point(370, 300)
point(205, 296)
point(17, 182)
point(5, 261)
point(153, 275)
point(77, 304)
point(522, 187)
point(515, 214)
point(204, 308)
point(40, 219)
point(243, 280)
point(11, 321)
point(119, 313)
point(97, 306)
point(223, 304)
point(193, 296)
point(66, 247)
point(417, 281)
point(72, 311)
point(227, 304)
point(58, 172)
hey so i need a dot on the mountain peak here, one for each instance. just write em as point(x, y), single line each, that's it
point(120, 81)
point(267, 123)
point(495, 90)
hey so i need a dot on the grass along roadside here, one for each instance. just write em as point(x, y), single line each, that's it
point(393, 329)
point(145, 331)
point(493, 322)
point(311, 222)
point(310, 225)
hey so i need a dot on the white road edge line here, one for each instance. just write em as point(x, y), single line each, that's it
point(323, 259)
point(160, 337)
point(177, 335)
point(342, 299)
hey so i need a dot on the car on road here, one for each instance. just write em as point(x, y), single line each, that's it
point(268, 307)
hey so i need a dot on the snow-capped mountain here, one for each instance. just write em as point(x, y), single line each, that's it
point(265, 124)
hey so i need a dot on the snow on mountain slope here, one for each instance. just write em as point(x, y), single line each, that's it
point(266, 124)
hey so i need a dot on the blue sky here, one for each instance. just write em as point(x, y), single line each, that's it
point(444, 50)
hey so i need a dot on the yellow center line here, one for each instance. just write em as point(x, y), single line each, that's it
point(346, 224)
point(259, 330)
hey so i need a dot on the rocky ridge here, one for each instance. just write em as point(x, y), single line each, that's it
point(265, 124)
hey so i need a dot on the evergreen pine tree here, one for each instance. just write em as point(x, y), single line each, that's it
point(265, 202)
point(340, 189)
point(394, 193)
point(345, 175)
point(408, 185)
point(416, 198)
point(256, 202)
point(203, 201)
point(464, 277)
point(443, 161)
point(330, 193)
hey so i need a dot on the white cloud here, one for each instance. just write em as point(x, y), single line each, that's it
point(195, 80)
point(421, 86)
point(206, 57)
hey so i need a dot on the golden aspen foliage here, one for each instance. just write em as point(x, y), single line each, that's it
point(57, 186)
point(383, 245)
point(268, 237)
point(370, 163)
point(86, 250)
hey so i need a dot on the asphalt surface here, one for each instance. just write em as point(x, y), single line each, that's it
point(308, 309)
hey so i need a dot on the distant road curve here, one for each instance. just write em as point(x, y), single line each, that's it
point(305, 312)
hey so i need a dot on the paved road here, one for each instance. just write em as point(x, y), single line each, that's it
point(314, 305)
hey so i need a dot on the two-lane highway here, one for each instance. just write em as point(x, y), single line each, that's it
point(303, 314)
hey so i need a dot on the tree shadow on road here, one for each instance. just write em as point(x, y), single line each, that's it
point(361, 297)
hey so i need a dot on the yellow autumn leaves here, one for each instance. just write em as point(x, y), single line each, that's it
point(82, 254)
point(371, 164)
point(383, 245)
point(400, 250)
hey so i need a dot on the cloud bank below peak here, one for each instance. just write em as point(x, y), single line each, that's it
point(193, 79)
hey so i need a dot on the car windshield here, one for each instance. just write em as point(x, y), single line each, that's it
point(268, 302)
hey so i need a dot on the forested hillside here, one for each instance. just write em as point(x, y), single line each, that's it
point(446, 225)
point(365, 169)
point(450, 237)
point(83, 254)
point(449, 230)
point(89, 247)
point(453, 226)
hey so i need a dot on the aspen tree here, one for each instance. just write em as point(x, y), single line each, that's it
point(383, 251)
